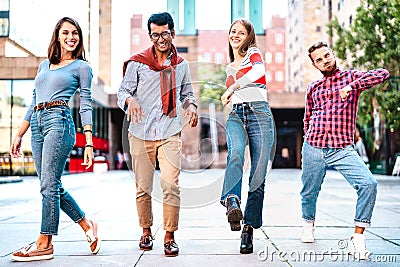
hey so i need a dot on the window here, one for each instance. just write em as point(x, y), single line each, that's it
point(318, 29)
point(268, 57)
point(182, 49)
point(136, 39)
point(350, 19)
point(207, 57)
point(268, 76)
point(4, 27)
point(4, 18)
point(219, 58)
point(278, 57)
point(279, 76)
point(278, 38)
point(15, 98)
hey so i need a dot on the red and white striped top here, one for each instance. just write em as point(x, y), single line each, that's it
point(250, 76)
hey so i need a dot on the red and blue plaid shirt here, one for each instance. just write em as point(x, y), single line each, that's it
point(329, 121)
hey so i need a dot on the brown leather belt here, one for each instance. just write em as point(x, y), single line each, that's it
point(50, 104)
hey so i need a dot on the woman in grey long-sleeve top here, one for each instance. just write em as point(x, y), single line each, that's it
point(53, 135)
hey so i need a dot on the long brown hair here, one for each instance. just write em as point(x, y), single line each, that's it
point(54, 50)
point(250, 41)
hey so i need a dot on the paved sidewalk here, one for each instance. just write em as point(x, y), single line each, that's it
point(204, 236)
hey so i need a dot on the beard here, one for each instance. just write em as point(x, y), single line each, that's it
point(329, 72)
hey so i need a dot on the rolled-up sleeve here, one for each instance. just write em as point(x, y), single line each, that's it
point(187, 93)
point(367, 79)
point(128, 85)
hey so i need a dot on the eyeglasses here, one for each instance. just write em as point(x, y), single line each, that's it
point(156, 36)
point(317, 45)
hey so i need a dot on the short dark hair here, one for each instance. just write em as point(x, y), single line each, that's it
point(315, 46)
point(161, 19)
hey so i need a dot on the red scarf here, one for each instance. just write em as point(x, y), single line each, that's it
point(168, 89)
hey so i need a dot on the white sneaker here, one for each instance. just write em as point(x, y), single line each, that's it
point(307, 233)
point(357, 247)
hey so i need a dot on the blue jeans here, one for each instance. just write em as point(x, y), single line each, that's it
point(249, 123)
point(53, 137)
point(350, 165)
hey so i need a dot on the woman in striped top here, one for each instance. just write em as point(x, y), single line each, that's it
point(250, 122)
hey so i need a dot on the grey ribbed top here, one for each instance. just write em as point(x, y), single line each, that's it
point(61, 84)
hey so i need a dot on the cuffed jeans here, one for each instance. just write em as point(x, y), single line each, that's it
point(350, 165)
point(144, 154)
point(249, 123)
point(53, 137)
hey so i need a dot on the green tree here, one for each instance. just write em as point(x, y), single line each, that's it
point(212, 85)
point(372, 41)
point(17, 101)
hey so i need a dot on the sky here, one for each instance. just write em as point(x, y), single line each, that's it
point(217, 17)
point(32, 21)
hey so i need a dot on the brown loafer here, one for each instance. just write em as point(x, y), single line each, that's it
point(32, 253)
point(171, 249)
point(146, 242)
point(92, 238)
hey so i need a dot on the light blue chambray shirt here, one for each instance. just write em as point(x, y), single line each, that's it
point(144, 84)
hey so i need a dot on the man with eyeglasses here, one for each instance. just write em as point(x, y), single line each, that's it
point(329, 126)
point(154, 81)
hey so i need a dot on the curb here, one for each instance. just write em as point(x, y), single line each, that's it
point(10, 179)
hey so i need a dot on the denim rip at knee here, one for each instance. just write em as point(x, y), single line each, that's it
point(53, 137)
point(250, 124)
point(350, 165)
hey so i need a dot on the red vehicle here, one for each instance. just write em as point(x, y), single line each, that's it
point(100, 140)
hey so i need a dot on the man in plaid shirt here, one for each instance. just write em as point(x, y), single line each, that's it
point(329, 125)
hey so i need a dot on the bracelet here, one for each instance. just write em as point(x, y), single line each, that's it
point(87, 145)
point(87, 131)
point(230, 90)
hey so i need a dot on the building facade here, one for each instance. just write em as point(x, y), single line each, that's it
point(304, 27)
point(275, 55)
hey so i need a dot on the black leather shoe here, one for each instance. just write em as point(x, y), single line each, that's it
point(234, 213)
point(246, 246)
point(146, 242)
point(171, 249)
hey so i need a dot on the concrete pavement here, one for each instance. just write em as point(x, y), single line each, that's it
point(204, 236)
